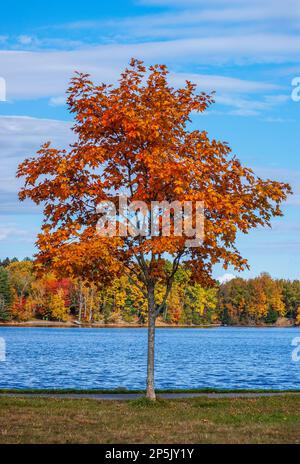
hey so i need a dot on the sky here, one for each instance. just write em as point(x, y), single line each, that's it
point(248, 52)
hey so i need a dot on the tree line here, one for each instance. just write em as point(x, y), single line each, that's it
point(25, 296)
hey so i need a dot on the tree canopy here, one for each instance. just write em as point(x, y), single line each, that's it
point(134, 138)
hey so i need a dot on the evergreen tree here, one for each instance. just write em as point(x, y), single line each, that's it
point(272, 316)
point(5, 262)
point(5, 295)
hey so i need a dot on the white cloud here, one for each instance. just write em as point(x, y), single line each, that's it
point(278, 120)
point(21, 137)
point(210, 82)
point(142, 25)
point(226, 278)
point(183, 3)
point(241, 106)
point(46, 74)
point(12, 231)
point(193, 19)
point(205, 3)
point(25, 39)
point(57, 101)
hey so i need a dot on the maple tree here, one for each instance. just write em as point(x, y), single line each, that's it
point(134, 138)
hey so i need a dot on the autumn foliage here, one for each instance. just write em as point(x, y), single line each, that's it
point(25, 296)
point(134, 139)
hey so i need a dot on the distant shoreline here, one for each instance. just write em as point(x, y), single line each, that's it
point(71, 325)
point(68, 325)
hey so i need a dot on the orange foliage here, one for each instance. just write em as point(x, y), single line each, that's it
point(133, 138)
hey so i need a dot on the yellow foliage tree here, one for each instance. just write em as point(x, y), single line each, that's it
point(57, 308)
point(297, 321)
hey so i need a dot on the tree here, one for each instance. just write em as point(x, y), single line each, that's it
point(133, 139)
point(235, 300)
point(291, 296)
point(21, 277)
point(42, 292)
point(5, 262)
point(5, 295)
point(272, 316)
point(258, 307)
point(297, 321)
point(57, 307)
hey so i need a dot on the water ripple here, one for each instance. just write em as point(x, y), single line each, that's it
point(114, 358)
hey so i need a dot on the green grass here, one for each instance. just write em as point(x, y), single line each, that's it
point(197, 420)
point(124, 390)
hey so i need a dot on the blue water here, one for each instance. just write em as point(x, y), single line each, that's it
point(185, 358)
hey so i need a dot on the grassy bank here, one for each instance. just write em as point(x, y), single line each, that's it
point(199, 420)
point(66, 391)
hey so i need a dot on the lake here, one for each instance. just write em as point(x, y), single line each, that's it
point(85, 358)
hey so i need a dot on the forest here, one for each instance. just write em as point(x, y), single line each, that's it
point(27, 296)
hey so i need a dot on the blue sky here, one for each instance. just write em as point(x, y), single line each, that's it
point(247, 51)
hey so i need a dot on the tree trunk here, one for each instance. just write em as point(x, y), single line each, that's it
point(150, 394)
point(80, 302)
